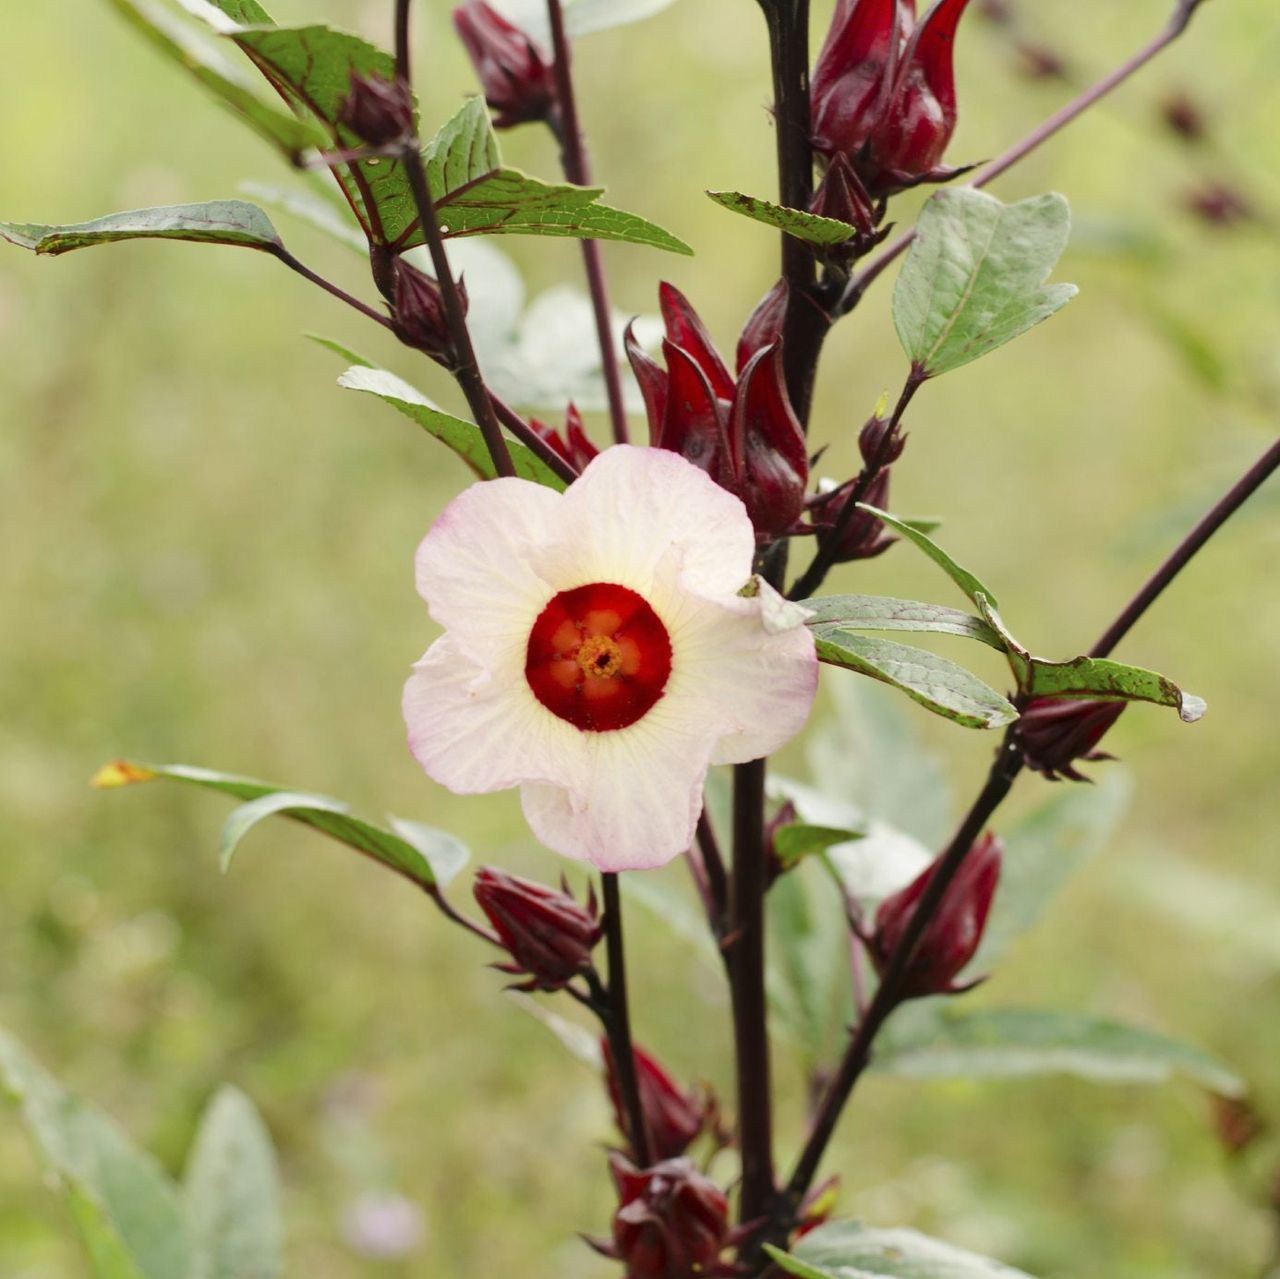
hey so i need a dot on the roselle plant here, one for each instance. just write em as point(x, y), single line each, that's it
point(621, 620)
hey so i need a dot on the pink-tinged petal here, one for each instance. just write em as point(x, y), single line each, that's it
point(634, 509)
point(474, 569)
point(640, 807)
point(476, 731)
point(748, 669)
point(686, 330)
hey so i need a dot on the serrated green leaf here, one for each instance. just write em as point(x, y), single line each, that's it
point(464, 149)
point(464, 438)
point(1113, 681)
point(205, 61)
point(966, 581)
point(126, 1209)
point(232, 1193)
point(809, 227)
point(1006, 1043)
point(849, 1250)
point(974, 278)
point(937, 683)
point(398, 852)
point(799, 840)
point(216, 222)
point(884, 613)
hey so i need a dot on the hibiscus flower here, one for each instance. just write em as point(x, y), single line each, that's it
point(599, 653)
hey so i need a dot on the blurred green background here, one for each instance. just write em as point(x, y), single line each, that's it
point(207, 557)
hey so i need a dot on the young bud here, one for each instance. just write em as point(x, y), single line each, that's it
point(672, 1116)
point(378, 111)
point(764, 324)
point(517, 77)
point(572, 444)
point(549, 936)
point(951, 937)
point(417, 312)
point(842, 196)
point(671, 1222)
point(864, 536)
point(1057, 731)
point(880, 442)
point(911, 133)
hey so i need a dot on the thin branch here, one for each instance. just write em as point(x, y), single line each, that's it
point(467, 368)
point(531, 439)
point(615, 1015)
point(1176, 25)
point(328, 286)
point(577, 168)
point(713, 862)
point(456, 916)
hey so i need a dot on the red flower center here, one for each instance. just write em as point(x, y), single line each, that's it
point(598, 657)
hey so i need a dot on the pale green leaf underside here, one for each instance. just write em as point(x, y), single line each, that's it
point(320, 812)
point(126, 1209)
point(884, 613)
point(968, 582)
point(232, 1194)
point(799, 840)
point(848, 1250)
point(937, 683)
point(809, 227)
point(464, 438)
point(231, 222)
point(974, 278)
point(1006, 1043)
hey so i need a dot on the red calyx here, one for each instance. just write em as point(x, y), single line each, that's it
point(572, 443)
point(673, 1117)
point(517, 77)
point(854, 73)
point(951, 937)
point(549, 936)
point(1056, 732)
point(418, 314)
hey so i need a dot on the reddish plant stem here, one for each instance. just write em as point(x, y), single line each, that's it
point(745, 957)
point(451, 913)
point(1176, 25)
point(829, 543)
point(328, 286)
point(615, 1016)
point(467, 368)
point(713, 864)
point(1004, 771)
point(531, 439)
point(577, 168)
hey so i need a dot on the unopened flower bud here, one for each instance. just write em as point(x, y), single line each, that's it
point(881, 442)
point(572, 443)
point(905, 147)
point(378, 111)
point(517, 77)
point(418, 314)
point(1058, 731)
point(842, 196)
point(864, 536)
point(671, 1222)
point(951, 937)
point(549, 936)
point(673, 1117)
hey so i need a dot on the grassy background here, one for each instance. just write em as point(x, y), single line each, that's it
point(207, 555)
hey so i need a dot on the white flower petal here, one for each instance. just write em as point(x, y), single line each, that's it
point(476, 732)
point(641, 805)
point(633, 507)
point(474, 568)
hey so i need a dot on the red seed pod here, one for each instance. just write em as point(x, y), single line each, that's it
point(854, 73)
point(1058, 731)
point(378, 111)
point(911, 133)
point(549, 936)
point(671, 1222)
point(951, 937)
point(517, 77)
point(418, 314)
point(572, 443)
point(673, 1117)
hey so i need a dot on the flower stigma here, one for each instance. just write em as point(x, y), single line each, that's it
point(598, 657)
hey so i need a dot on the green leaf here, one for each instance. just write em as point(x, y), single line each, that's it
point(232, 1194)
point(848, 1250)
point(883, 613)
point(228, 15)
point(126, 1209)
point(974, 278)
point(1006, 1043)
point(1042, 851)
point(809, 227)
point(338, 348)
point(398, 852)
point(464, 438)
point(799, 840)
point(1112, 681)
point(937, 683)
point(314, 210)
point(217, 222)
point(207, 63)
point(965, 580)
